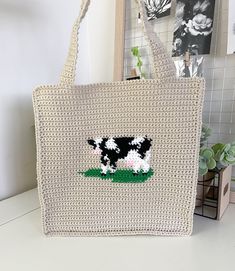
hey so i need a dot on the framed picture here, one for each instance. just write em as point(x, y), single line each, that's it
point(157, 8)
point(193, 27)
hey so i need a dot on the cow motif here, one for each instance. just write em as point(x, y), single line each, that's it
point(134, 151)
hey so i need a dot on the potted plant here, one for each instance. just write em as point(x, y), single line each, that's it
point(139, 63)
point(215, 159)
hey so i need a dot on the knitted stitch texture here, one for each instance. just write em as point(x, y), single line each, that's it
point(165, 111)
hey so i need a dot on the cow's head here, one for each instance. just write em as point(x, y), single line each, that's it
point(95, 144)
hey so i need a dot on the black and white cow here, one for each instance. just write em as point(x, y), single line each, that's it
point(134, 151)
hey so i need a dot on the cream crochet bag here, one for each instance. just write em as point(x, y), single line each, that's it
point(118, 158)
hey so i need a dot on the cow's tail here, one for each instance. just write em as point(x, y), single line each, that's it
point(149, 139)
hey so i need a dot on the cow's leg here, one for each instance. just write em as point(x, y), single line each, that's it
point(136, 167)
point(113, 167)
point(145, 167)
point(104, 166)
point(146, 162)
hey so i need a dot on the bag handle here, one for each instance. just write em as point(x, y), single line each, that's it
point(163, 66)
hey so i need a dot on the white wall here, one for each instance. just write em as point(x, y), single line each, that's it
point(34, 41)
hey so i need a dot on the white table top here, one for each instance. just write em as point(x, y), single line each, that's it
point(23, 246)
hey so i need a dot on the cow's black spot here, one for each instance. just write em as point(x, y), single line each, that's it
point(145, 146)
point(92, 143)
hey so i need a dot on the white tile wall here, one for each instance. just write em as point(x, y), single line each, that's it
point(219, 68)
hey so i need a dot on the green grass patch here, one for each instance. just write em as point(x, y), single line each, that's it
point(120, 176)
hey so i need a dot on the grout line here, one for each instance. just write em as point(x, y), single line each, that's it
point(17, 217)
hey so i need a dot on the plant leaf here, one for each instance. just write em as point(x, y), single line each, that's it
point(217, 147)
point(211, 163)
point(221, 158)
point(224, 163)
point(230, 159)
point(135, 51)
point(203, 171)
point(139, 63)
point(208, 153)
point(217, 155)
point(232, 151)
point(227, 147)
point(202, 164)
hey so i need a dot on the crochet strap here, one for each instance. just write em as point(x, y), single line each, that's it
point(163, 66)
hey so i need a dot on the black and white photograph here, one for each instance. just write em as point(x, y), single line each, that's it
point(157, 8)
point(193, 27)
point(231, 28)
point(192, 69)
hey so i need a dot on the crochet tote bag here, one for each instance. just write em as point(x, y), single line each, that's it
point(118, 158)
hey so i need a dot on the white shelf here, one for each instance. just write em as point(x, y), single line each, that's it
point(17, 206)
point(23, 246)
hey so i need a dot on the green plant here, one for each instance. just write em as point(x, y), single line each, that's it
point(218, 156)
point(224, 154)
point(136, 53)
point(206, 160)
point(205, 134)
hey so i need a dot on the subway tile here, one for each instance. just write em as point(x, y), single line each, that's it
point(208, 72)
point(219, 73)
point(227, 106)
point(216, 95)
point(219, 62)
point(208, 94)
point(215, 117)
point(230, 72)
point(228, 94)
point(226, 117)
point(205, 118)
point(229, 84)
point(230, 61)
point(218, 84)
point(225, 128)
